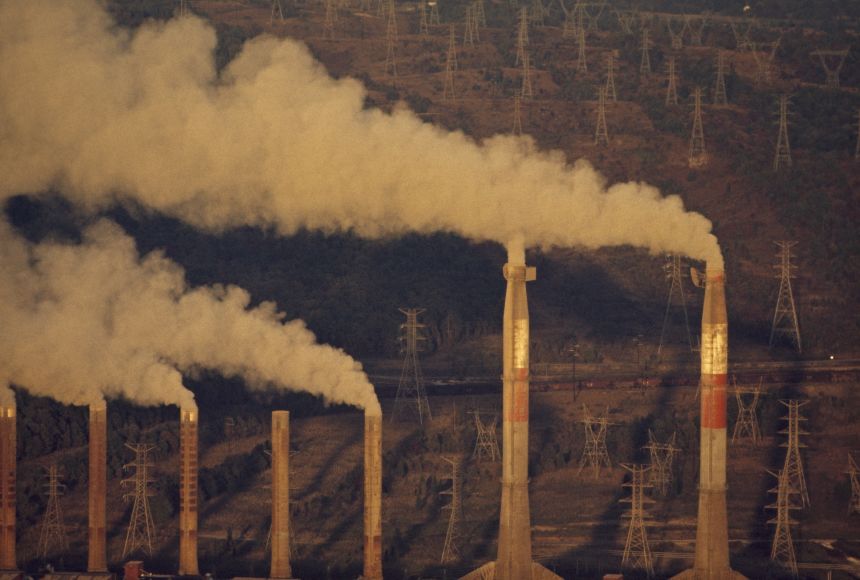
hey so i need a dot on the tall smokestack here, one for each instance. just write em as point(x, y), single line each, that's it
point(97, 488)
point(372, 496)
point(8, 463)
point(188, 493)
point(514, 557)
point(712, 535)
point(280, 495)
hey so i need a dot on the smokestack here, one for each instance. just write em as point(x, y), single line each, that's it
point(514, 557)
point(280, 495)
point(712, 535)
point(372, 496)
point(8, 464)
point(188, 493)
point(97, 488)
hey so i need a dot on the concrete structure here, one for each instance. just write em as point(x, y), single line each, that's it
point(280, 495)
point(712, 535)
point(514, 559)
point(372, 496)
point(8, 464)
point(188, 492)
point(97, 488)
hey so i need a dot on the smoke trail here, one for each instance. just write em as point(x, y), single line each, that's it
point(104, 114)
point(81, 322)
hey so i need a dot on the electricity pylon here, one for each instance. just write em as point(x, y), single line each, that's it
point(537, 13)
point(594, 454)
point(853, 472)
point(742, 34)
point(782, 550)
point(183, 8)
point(637, 550)
point(522, 34)
point(696, 25)
point(746, 424)
point(276, 9)
point(764, 54)
point(610, 78)
point(662, 459)
point(479, 13)
point(720, 97)
point(450, 66)
point(782, 157)
point(486, 443)
point(785, 314)
point(581, 58)
point(676, 286)
point(518, 116)
point(831, 61)
point(793, 467)
point(645, 62)
point(698, 156)
point(330, 19)
point(601, 134)
point(451, 549)
point(140, 525)
point(52, 532)
point(434, 12)
point(423, 24)
point(390, 41)
point(676, 38)
point(526, 89)
point(468, 31)
point(672, 87)
point(411, 395)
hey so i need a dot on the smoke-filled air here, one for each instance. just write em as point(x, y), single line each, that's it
point(93, 320)
point(103, 114)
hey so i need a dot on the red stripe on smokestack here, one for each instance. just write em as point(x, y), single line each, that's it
point(372, 497)
point(280, 495)
point(714, 403)
point(188, 493)
point(8, 464)
point(97, 488)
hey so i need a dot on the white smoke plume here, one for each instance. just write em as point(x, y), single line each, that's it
point(95, 320)
point(103, 114)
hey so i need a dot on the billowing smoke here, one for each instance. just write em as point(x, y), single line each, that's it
point(94, 320)
point(103, 114)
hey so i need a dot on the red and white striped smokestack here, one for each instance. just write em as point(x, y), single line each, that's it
point(280, 495)
point(97, 488)
point(712, 535)
point(188, 493)
point(8, 465)
point(372, 496)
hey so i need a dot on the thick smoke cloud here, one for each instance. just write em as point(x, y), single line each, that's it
point(95, 320)
point(103, 114)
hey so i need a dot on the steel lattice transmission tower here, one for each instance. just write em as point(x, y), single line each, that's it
point(746, 424)
point(468, 30)
point(390, 40)
point(676, 39)
point(330, 19)
point(785, 314)
point(662, 460)
point(853, 472)
point(276, 9)
point(411, 397)
point(672, 87)
point(676, 286)
point(451, 549)
point(450, 66)
point(581, 57)
point(423, 24)
point(637, 550)
point(793, 466)
point(52, 531)
point(183, 8)
point(526, 91)
point(782, 550)
point(486, 442)
point(522, 34)
point(434, 12)
point(140, 524)
point(518, 116)
point(831, 62)
point(479, 12)
point(764, 54)
point(782, 156)
point(720, 97)
point(594, 454)
point(601, 134)
point(645, 62)
point(610, 77)
point(697, 157)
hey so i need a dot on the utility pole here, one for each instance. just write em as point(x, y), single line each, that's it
point(411, 395)
point(720, 97)
point(486, 443)
point(451, 550)
point(645, 62)
point(662, 459)
point(853, 471)
point(140, 525)
point(450, 66)
point(637, 550)
point(573, 349)
point(581, 60)
point(522, 34)
point(526, 90)
point(610, 77)
point(594, 454)
point(276, 8)
point(782, 550)
point(793, 467)
point(782, 157)
point(831, 62)
point(518, 119)
point(746, 425)
point(676, 275)
point(53, 531)
point(601, 135)
point(698, 157)
point(672, 87)
point(390, 41)
point(785, 315)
